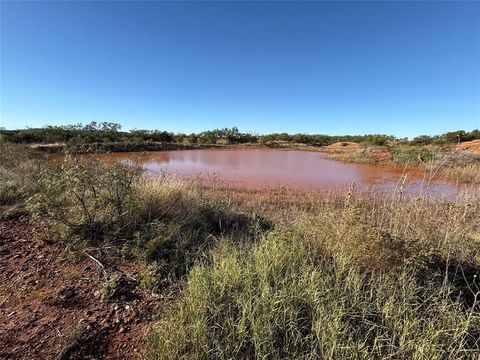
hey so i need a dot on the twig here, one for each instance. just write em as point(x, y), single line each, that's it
point(5, 300)
point(99, 264)
point(128, 276)
point(107, 247)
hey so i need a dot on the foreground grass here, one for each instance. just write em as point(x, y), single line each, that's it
point(274, 276)
point(393, 278)
point(282, 301)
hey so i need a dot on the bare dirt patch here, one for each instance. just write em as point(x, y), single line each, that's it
point(470, 146)
point(51, 305)
point(342, 147)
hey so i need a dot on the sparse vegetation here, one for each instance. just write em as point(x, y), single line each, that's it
point(344, 278)
point(90, 203)
point(112, 286)
point(447, 162)
point(107, 136)
point(278, 276)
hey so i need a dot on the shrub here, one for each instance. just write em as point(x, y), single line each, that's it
point(16, 185)
point(165, 220)
point(90, 200)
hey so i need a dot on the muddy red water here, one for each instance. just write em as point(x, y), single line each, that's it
point(262, 168)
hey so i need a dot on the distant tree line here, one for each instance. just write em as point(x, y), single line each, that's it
point(447, 138)
point(108, 132)
point(103, 132)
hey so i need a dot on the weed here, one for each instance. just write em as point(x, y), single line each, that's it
point(113, 286)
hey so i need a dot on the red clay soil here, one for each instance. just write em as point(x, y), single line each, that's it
point(51, 306)
point(470, 146)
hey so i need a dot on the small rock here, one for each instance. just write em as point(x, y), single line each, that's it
point(124, 329)
point(67, 293)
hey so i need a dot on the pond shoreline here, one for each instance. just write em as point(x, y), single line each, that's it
point(264, 168)
point(123, 147)
point(462, 166)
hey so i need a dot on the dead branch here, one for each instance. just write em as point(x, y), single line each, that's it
point(102, 268)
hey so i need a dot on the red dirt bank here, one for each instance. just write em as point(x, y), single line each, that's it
point(470, 146)
point(51, 307)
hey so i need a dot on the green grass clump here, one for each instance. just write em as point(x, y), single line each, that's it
point(341, 277)
point(10, 192)
point(287, 300)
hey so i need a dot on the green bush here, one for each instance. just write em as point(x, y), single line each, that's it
point(90, 200)
point(165, 220)
point(410, 154)
point(113, 286)
point(154, 277)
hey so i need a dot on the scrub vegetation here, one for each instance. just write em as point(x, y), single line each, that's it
point(446, 161)
point(106, 135)
point(440, 151)
point(252, 275)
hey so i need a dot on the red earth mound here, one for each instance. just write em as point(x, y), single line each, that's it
point(470, 146)
point(342, 147)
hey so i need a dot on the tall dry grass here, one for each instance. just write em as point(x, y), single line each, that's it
point(468, 173)
point(356, 276)
point(181, 223)
point(283, 299)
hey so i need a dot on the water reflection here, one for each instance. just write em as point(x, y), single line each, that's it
point(270, 168)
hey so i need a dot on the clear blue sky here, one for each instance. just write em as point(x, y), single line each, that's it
point(402, 68)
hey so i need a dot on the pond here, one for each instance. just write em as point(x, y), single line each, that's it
point(266, 168)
